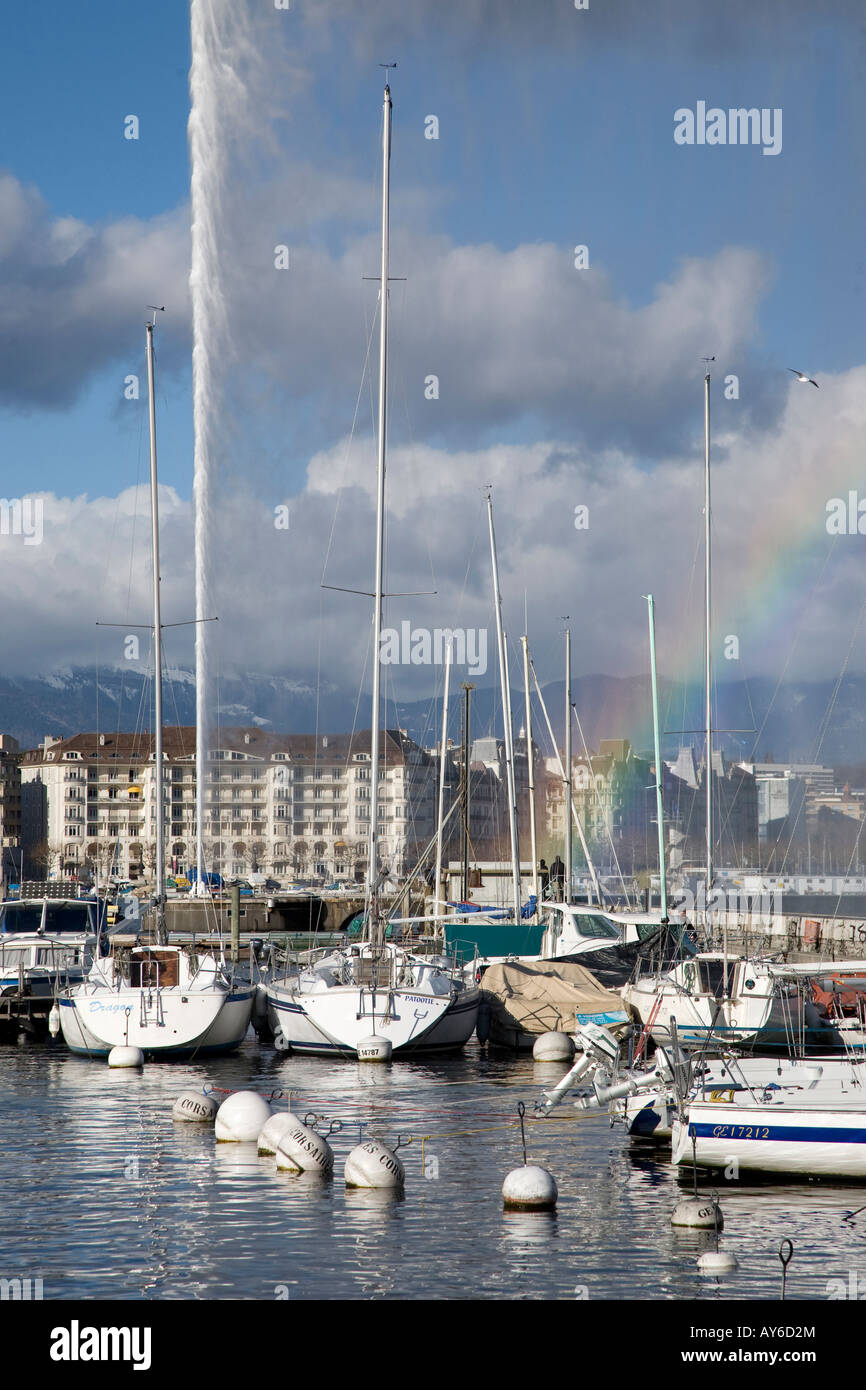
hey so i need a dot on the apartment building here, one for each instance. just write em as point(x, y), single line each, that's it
point(287, 805)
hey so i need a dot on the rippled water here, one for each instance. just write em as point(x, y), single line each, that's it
point(104, 1196)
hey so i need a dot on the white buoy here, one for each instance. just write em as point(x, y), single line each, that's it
point(717, 1262)
point(241, 1118)
point(698, 1212)
point(54, 1021)
point(126, 1057)
point(273, 1131)
point(553, 1047)
point(194, 1106)
point(302, 1150)
point(530, 1189)
point(374, 1049)
point(372, 1165)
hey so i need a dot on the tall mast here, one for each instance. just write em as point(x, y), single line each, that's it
point(663, 883)
point(531, 771)
point(373, 852)
point(465, 745)
point(569, 799)
point(506, 715)
point(709, 687)
point(575, 817)
point(157, 650)
point(442, 757)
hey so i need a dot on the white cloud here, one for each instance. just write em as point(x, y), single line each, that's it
point(770, 494)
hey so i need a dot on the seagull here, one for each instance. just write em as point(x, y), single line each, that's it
point(801, 376)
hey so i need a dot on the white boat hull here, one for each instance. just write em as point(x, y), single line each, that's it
point(774, 1139)
point(206, 1022)
point(335, 1021)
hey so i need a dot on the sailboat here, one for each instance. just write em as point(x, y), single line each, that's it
point(169, 1001)
point(373, 999)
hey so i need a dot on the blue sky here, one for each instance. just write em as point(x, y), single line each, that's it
point(550, 134)
point(560, 148)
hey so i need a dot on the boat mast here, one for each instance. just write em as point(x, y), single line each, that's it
point(709, 688)
point(531, 767)
point(373, 849)
point(663, 883)
point(569, 799)
point(576, 818)
point(464, 785)
point(506, 715)
point(159, 899)
point(442, 757)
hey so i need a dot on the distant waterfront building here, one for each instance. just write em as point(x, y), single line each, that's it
point(10, 807)
point(288, 805)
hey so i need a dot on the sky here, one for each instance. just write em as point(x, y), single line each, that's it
point(563, 386)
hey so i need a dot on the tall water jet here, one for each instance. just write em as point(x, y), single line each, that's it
point(223, 55)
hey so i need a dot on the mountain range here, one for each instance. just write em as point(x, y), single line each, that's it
point(800, 721)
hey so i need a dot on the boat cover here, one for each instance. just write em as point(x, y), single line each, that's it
point(533, 997)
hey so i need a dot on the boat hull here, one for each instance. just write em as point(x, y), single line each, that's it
point(772, 1139)
point(208, 1022)
point(334, 1022)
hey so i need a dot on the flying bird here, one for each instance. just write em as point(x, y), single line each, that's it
point(801, 376)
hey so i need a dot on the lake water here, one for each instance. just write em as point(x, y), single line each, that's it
point(105, 1196)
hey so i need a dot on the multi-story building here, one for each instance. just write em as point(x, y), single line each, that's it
point(283, 804)
point(10, 806)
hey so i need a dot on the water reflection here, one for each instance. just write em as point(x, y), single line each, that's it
point(106, 1196)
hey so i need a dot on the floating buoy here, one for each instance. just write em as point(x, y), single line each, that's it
point(126, 1057)
point(716, 1262)
point(530, 1188)
point(700, 1212)
point(302, 1150)
point(241, 1118)
point(374, 1049)
point(553, 1047)
point(54, 1021)
point(194, 1106)
point(372, 1165)
point(273, 1131)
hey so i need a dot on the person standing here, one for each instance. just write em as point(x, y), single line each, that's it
point(557, 878)
point(543, 878)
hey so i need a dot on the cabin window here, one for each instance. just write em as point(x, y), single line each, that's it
point(156, 968)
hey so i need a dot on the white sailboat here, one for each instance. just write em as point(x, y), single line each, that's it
point(376, 998)
point(169, 1001)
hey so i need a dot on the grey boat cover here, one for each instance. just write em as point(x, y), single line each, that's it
point(527, 998)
